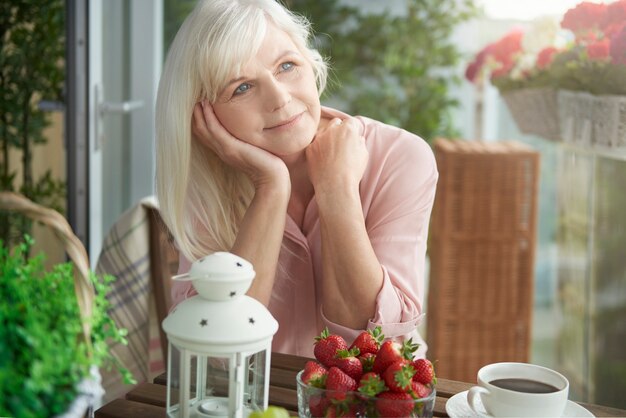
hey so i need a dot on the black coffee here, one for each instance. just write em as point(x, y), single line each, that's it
point(524, 385)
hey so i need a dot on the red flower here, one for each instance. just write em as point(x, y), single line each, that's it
point(503, 69)
point(545, 57)
point(599, 49)
point(504, 50)
point(614, 28)
point(472, 71)
point(500, 55)
point(615, 15)
point(618, 47)
point(585, 16)
point(475, 66)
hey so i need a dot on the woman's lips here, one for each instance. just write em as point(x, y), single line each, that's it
point(287, 123)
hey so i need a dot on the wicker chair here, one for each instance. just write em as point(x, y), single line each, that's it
point(483, 234)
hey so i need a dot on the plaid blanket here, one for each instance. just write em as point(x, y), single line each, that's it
point(126, 256)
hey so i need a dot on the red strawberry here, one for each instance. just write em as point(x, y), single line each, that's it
point(392, 351)
point(418, 390)
point(398, 376)
point(326, 347)
point(424, 371)
point(368, 341)
point(314, 374)
point(338, 383)
point(346, 360)
point(342, 409)
point(332, 412)
point(394, 404)
point(367, 360)
point(318, 404)
point(371, 384)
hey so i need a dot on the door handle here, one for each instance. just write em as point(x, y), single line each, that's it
point(123, 107)
point(109, 107)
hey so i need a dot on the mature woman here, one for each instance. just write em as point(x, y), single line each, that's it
point(332, 210)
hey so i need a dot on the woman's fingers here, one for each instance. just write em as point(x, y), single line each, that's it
point(338, 152)
point(257, 163)
point(210, 131)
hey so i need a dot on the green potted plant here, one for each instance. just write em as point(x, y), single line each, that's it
point(54, 326)
point(32, 69)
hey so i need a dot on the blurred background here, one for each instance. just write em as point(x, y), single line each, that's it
point(77, 89)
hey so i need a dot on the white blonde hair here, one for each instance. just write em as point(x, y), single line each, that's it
point(202, 200)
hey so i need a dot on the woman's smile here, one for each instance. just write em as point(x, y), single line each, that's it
point(286, 124)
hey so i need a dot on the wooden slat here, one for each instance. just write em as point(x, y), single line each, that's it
point(440, 407)
point(603, 411)
point(150, 393)
point(160, 379)
point(448, 388)
point(125, 408)
point(287, 398)
point(283, 378)
point(288, 361)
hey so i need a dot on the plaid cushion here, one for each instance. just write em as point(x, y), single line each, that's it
point(125, 255)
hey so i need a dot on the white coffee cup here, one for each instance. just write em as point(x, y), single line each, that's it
point(517, 400)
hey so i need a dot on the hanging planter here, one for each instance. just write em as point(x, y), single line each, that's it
point(535, 111)
point(593, 120)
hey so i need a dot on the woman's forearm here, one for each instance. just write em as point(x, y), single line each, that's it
point(353, 276)
point(260, 237)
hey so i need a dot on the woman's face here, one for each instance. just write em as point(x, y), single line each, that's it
point(274, 103)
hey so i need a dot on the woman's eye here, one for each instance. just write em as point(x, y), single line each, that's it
point(286, 66)
point(242, 88)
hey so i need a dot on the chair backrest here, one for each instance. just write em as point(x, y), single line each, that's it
point(482, 246)
point(139, 252)
point(163, 265)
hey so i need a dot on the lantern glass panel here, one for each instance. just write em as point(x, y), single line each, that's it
point(208, 374)
point(255, 390)
point(216, 379)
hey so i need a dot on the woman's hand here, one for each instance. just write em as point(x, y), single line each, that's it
point(352, 275)
point(337, 157)
point(262, 167)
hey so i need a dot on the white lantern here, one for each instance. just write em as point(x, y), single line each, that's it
point(222, 339)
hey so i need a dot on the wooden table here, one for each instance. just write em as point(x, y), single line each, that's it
point(148, 399)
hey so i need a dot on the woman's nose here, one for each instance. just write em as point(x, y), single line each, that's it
point(277, 96)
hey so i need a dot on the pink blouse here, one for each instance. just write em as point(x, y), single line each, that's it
point(397, 195)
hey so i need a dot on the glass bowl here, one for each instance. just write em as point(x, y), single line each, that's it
point(316, 402)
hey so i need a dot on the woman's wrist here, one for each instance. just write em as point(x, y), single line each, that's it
point(338, 197)
point(276, 188)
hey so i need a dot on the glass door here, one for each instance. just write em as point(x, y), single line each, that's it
point(125, 56)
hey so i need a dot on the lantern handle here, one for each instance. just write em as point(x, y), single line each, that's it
point(182, 277)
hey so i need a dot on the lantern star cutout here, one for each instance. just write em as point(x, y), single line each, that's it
point(251, 321)
point(232, 294)
point(204, 323)
point(239, 264)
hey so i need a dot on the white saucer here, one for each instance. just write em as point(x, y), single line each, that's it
point(457, 407)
